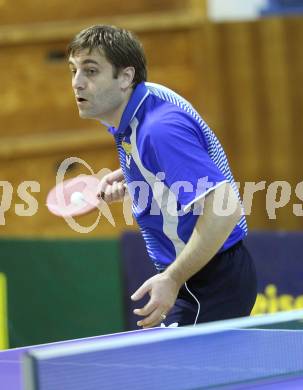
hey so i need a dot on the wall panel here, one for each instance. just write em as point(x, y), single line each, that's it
point(29, 11)
point(253, 77)
point(37, 95)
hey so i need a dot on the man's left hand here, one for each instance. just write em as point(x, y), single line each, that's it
point(163, 292)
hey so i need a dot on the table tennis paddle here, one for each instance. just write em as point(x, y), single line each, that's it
point(73, 197)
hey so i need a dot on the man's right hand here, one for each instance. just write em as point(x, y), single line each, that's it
point(112, 187)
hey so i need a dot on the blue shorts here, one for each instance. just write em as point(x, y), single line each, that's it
point(225, 288)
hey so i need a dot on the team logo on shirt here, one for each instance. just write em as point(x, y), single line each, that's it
point(128, 152)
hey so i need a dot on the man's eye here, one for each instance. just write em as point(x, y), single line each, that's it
point(91, 71)
point(73, 71)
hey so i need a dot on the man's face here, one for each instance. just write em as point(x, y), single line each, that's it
point(98, 94)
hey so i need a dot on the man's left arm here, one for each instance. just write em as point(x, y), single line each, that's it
point(210, 232)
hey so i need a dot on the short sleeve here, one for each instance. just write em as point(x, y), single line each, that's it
point(179, 150)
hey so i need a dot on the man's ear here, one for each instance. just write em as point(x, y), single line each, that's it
point(126, 77)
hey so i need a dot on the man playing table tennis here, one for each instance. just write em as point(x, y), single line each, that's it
point(177, 175)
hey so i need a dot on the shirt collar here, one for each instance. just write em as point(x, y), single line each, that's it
point(138, 96)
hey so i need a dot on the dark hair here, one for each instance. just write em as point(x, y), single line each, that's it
point(120, 47)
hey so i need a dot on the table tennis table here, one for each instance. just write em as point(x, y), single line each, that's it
point(248, 353)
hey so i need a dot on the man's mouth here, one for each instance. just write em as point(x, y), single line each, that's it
point(80, 99)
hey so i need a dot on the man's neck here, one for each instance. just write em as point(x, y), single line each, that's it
point(115, 119)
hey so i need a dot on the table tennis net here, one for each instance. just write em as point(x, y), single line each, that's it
point(224, 354)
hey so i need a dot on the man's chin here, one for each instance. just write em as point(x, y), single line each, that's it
point(85, 115)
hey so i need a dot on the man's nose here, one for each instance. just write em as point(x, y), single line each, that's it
point(78, 81)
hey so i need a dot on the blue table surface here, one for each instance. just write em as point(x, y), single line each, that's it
point(11, 370)
point(10, 360)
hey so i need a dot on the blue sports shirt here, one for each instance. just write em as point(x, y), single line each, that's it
point(170, 158)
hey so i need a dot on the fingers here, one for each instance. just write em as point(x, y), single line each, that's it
point(102, 187)
point(141, 291)
point(118, 191)
point(121, 189)
point(163, 294)
point(147, 309)
point(153, 313)
point(154, 319)
point(111, 192)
